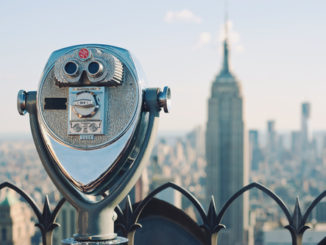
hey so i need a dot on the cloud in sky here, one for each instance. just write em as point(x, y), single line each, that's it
point(184, 15)
point(205, 38)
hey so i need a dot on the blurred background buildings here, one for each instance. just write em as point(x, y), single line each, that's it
point(276, 159)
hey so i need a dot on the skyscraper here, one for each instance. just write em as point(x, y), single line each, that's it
point(271, 146)
point(227, 169)
point(305, 115)
point(255, 155)
point(271, 136)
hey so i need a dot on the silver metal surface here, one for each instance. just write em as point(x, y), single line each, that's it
point(86, 110)
point(98, 217)
point(72, 241)
point(103, 125)
point(101, 237)
point(111, 68)
point(21, 102)
point(84, 168)
point(164, 99)
point(92, 132)
point(123, 105)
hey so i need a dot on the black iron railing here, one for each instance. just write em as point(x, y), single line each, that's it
point(128, 219)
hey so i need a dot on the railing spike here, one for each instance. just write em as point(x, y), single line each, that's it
point(211, 213)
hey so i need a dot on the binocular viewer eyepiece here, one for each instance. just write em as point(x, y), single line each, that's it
point(88, 67)
point(93, 123)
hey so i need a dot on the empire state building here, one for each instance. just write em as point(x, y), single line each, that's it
point(226, 166)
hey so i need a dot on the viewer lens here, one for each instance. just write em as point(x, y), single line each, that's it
point(94, 68)
point(71, 68)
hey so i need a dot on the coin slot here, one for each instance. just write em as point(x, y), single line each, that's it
point(55, 104)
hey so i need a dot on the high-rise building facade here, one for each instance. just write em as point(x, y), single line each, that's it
point(255, 154)
point(305, 134)
point(271, 137)
point(271, 149)
point(16, 227)
point(227, 169)
point(67, 220)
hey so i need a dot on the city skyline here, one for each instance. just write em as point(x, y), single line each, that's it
point(273, 93)
point(279, 59)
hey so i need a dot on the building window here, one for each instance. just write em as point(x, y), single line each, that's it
point(4, 234)
point(72, 220)
point(64, 223)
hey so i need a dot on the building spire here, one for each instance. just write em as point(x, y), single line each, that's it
point(226, 19)
point(225, 68)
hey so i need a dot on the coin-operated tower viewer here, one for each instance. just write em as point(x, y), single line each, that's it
point(93, 123)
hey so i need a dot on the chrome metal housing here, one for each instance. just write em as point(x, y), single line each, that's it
point(93, 133)
point(74, 155)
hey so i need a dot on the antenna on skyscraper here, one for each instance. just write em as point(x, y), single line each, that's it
point(225, 67)
point(226, 19)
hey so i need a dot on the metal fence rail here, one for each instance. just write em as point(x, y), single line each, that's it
point(128, 219)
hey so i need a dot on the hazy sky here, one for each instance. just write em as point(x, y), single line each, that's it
point(278, 52)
